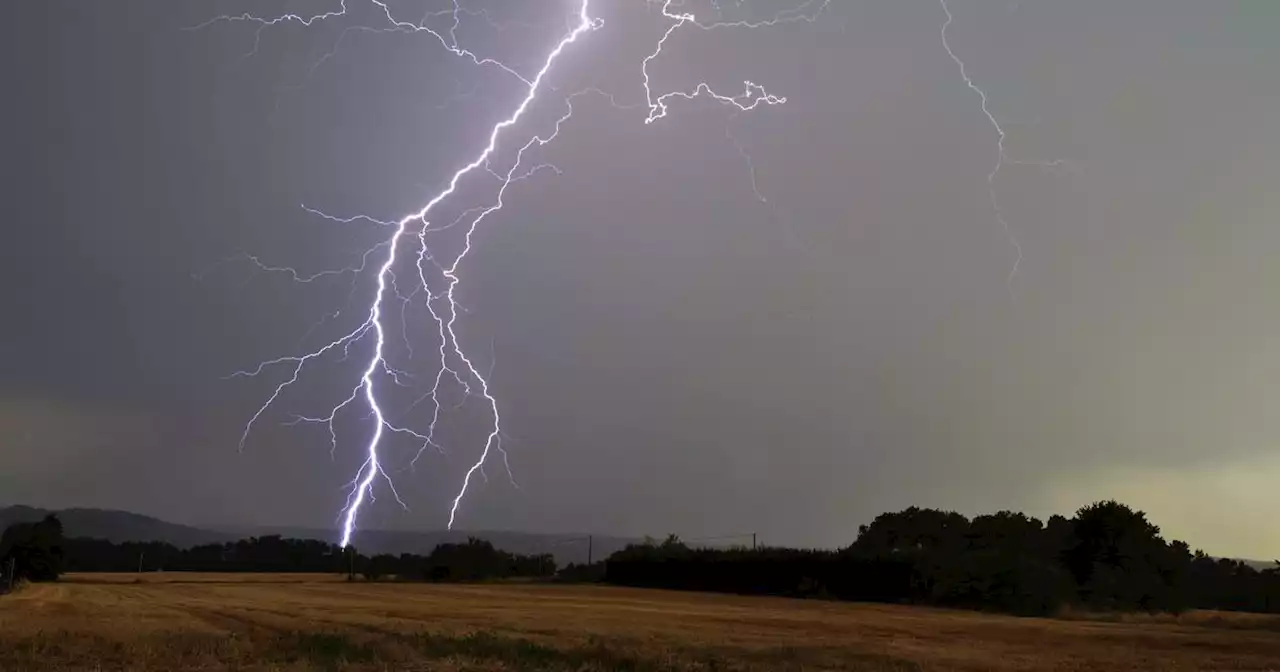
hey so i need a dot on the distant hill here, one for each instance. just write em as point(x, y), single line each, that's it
point(1257, 564)
point(121, 526)
point(116, 526)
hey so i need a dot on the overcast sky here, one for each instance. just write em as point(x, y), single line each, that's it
point(672, 349)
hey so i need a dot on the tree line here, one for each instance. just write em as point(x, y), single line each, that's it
point(39, 552)
point(1106, 557)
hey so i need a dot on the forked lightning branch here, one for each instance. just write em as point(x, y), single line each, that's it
point(438, 278)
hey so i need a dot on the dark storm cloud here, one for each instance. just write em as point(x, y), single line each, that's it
point(671, 353)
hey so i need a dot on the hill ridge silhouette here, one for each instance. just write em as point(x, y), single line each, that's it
point(120, 526)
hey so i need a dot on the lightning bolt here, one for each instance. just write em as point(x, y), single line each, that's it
point(454, 364)
point(1002, 156)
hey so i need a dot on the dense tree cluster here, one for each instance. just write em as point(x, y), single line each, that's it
point(581, 572)
point(1107, 557)
point(765, 571)
point(255, 554)
point(31, 552)
point(474, 560)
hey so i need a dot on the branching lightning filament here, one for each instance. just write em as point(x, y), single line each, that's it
point(453, 364)
point(1002, 156)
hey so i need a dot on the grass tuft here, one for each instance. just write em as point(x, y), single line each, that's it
point(328, 649)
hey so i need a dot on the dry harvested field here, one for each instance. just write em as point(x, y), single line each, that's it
point(271, 622)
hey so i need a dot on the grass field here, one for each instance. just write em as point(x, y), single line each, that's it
point(275, 622)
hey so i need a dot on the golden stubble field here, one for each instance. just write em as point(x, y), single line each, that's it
point(279, 622)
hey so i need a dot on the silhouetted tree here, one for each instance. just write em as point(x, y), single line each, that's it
point(1006, 563)
point(478, 559)
point(33, 551)
point(582, 573)
point(1119, 560)
point(380, 566)
point(912, 531)
point(928, 540)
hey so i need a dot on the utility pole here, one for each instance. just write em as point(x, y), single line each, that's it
point(13, 562)
point(753, 541)
point(590, 543)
